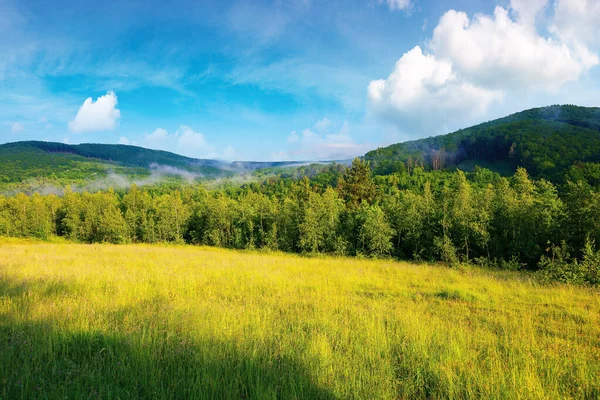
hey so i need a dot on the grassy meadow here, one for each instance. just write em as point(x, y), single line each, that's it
point(143, 321)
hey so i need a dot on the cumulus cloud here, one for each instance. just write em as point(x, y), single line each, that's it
point(501, 52)
point(577, 21)
point(123, 140)
point(309, 145)
point(323, 125)
point(191, 141)
point(17, 127)
point(527, 11)
point(422, 86)
point(157, 139)
point(99, 115)
point(471, 63)
point(185, 141)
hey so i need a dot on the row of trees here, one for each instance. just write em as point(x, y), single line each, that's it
point(428, 216)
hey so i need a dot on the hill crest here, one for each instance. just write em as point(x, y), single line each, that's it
point(544, 140)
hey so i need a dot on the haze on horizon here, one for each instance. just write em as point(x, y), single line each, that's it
point(278, 80)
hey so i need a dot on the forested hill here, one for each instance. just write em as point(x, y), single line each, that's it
point(546, 141)
point(25, 165)
point(135, 156)
point(123, 154)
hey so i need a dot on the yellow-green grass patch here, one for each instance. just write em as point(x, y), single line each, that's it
point(142, 321)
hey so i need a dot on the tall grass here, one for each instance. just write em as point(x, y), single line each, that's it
point(103, 321)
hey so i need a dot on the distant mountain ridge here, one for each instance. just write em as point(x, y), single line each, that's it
point(545, 140)
point(135, 156)
point(30, 166)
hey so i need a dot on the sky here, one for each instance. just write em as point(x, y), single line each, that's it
point(279, 80)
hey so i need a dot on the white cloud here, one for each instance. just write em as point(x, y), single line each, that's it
point(157, 139)
point(184, 141)
point(396, 4)
point(17, 127)
point(123, 140)
point(189, 139)
point(527, 11)
point(422, 91)
point(314, 146)
point(293, 137)
point(229, 153)
point(470, 64)
point(501, 52)
point(323, 125)
point(578, 21)
point(100, 115)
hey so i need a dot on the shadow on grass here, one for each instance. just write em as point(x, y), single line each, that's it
point(42, 287)
point(39, 360)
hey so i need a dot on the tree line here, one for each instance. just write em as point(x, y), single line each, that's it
point(515, 222)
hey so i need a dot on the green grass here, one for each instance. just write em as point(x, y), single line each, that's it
point(138, 321)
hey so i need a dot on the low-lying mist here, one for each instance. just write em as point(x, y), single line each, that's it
point(157, 174)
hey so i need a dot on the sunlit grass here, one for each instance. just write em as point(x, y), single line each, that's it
point(140, 321)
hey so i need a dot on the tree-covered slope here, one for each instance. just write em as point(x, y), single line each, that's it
point(132, 156)
point(120, 154)
point(37, 166)
point(19, 164)
point(546, 141)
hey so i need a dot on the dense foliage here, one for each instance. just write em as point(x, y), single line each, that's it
point(546, 141)
point(22, 163)
point(509, 222)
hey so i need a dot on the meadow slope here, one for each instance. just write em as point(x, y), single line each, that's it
point(141, 321)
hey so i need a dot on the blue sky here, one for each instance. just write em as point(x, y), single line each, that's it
point(285, 79)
